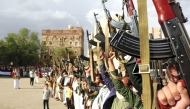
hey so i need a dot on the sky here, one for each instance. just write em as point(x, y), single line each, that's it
point(57, 14)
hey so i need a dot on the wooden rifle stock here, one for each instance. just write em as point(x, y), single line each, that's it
point(91, 58)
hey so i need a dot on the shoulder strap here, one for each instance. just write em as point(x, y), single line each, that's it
point(144, 53)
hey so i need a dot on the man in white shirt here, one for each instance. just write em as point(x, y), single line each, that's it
point(32, 75)
point(57, 92)
point(36, 76)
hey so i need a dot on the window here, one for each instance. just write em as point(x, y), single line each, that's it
point(50, 57)
point(44, 56)
point(76, 44)
point(70, 43)
point(44, 42)
point(50, 43)
point(44, 37)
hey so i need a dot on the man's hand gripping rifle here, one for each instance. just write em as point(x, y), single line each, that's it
point(171, 22)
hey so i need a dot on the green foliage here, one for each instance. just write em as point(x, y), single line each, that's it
point(21, 48)
point(61, 53)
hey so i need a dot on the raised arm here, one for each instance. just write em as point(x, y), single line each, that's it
point(91, 85)
point(105, 76)
point(126, 92)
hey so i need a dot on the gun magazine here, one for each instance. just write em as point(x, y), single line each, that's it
point(128, 44)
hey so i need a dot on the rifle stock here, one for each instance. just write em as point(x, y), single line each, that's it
point(91, 59)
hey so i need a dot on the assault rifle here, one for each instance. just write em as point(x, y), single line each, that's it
point(132, 13)
point(61, 64)
point(91, 58)
point(57, 67)
point(79, 63)
point(112, 30)
point(68, 54)
point(172, 25)
point(100, 35)
point(175, 47)
point(84, 58)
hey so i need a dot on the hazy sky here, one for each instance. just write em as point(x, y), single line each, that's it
point(56, 14)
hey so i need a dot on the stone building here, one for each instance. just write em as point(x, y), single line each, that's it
point(156, 32)
point(72, 37)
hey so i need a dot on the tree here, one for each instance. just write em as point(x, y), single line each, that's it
point(61, 52)
point(21, 48)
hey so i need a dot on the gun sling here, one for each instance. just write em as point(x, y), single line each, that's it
point(144, 53)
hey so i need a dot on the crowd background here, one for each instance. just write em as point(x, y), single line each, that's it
point(24, 71)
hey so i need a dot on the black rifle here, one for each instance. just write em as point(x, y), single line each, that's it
point(112, 30)
point(60, 63)
point(84, 58)
point(64, 63)
point(100, 35)
point(89, 45)
point(91, 57)
point(172, 25)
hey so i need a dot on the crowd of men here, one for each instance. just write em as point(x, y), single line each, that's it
point(109, 90)
point(25, 71)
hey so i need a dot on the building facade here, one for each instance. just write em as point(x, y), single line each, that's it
point(156, 32)
point(72, 37)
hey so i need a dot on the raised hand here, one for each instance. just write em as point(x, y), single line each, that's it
point(174, 96)
point(102, 55)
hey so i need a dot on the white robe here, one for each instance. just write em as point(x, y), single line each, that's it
point(16, 82)
point(77, 98)
point(100, 99)
point(57, 94)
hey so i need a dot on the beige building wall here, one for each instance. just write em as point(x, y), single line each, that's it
point(156, 32)
point(72, 37)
